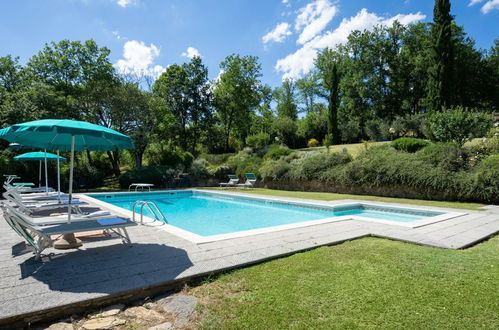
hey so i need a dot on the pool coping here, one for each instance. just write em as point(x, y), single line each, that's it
point(198, 239)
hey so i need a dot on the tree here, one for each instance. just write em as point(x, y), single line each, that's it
point(186, 95)
point(285, 98)
point(440, 82)
point(327, 64)
point(237, 95)
point(308, 89)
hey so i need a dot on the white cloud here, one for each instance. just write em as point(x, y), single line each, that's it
point(474, 2)
point(285, 1)
point(487, 7)
point(301, 62)
point(117, 35)
point(191, 52)
point(278, 34)
point(138, 59)
point(314, 18)
point(125, 3)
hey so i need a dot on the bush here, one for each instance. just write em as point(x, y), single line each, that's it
point(457, 125)
point(244, 162)
point(274, 169)
point(157, 175)
point(328, 141)
point(88, 175)
point(449, 156)
point(485, 182)
point(312, 143)
point(258, 141)
point(200, 168)
point(285, 128)
point(313, 166)
point(275, 152)
point(408, 144)
point(409, 125)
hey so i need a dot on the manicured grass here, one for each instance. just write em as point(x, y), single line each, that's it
point(366, 283)
point(334, 196)
point(354, 149)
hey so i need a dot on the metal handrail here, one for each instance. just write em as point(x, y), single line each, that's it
point(152, 207)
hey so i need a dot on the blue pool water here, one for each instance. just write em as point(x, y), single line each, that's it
point(210, 214)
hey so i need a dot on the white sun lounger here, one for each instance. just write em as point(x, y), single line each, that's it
point(39, 237)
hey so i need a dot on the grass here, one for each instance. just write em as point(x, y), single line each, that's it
point(366, 283)
point(334, 196)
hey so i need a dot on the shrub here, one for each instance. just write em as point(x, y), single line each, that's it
point(275, 152)
point(91, 176)
point(449, 156)
point(157, 175)
point(244, 162)
point(313, 166)
point(409, 125)
point(485, 182)
point(285, 128)
point(258, 141)
point(274, 169)
point(200, 168)
point(408, 144)
point(312, 143)
point(458, 125)
point(216, 159)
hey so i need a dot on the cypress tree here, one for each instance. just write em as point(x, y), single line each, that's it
point(440, 89)
point(332, 124)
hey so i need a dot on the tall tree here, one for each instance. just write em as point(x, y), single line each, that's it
point(308, 89)
point(286, 100)
point(327, 64)
point(237, 95)
point(440, 82)
point(186, 95)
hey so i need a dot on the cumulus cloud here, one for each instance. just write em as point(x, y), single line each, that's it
point(278, 34)
point(125, 3)
point(301, 62)
point(487, 7)
point(138, 58)
point(314, 18)
point(191, 52)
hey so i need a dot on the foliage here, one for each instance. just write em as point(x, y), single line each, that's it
point(88, 175)
point(244, 162)
point(314, 165)
point(275, 152)
point(200, 168)
point(409, 144)
point(285, 98)
point(458, 125)
point(258, 141)
point(312, 143)
point(237, 94)
point(285, 129)
point(157, 175)
point(274, 169)
point(328, 141)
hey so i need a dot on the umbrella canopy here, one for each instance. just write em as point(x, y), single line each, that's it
point(14, 146)
point(56, 134)
point(38, 155)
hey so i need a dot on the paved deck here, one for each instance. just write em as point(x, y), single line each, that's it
point(104, 270)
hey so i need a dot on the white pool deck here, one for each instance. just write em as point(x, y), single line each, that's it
point(104, 271)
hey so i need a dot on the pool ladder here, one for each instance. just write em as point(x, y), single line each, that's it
point(152, 207)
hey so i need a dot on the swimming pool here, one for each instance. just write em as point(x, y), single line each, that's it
point(213, 214)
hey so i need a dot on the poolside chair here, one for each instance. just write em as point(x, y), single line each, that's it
point(39, 237)
point(250, 181)
point(47, 205)
point(233, 181)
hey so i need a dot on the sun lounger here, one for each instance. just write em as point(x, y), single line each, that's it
point(30, 208)
point(250, 181)
point(39, 237)
point(233, 181)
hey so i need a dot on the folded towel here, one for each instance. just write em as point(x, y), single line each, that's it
point(97, 214)
point(111, 221)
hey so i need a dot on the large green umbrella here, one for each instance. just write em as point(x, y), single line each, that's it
point(45, 156)
point(61, 134)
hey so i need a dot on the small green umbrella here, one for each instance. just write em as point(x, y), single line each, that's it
point(45, 156)
point(63, 134)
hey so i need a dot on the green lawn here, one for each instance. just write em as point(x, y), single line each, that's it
point(334, 196)
point(366, 283)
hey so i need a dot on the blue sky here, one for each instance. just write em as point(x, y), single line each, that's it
point(148, 35)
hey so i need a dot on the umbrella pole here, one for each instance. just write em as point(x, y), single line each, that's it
point(58, 178)
point(46, 176)
point(71, 177)
point(69, 241)
point(40, 174)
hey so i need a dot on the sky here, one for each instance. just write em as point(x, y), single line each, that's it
point(145, 36)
